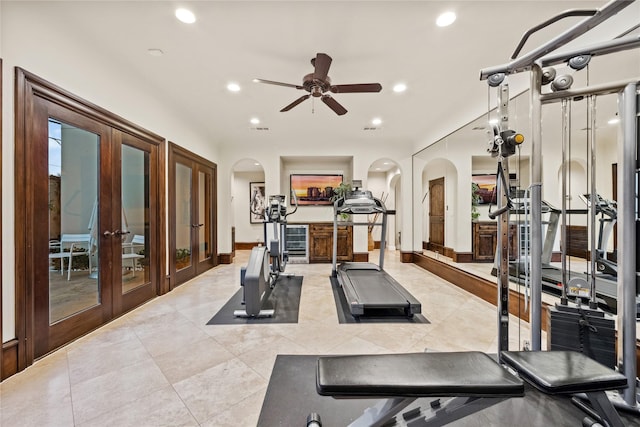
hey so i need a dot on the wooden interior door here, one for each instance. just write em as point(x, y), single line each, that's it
point(191, 216)
point(436, 215)
point(71, 221)
point(71, 271)
point(136, 186)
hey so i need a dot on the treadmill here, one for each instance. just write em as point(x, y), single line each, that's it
point(606, 284)
point(368, 289)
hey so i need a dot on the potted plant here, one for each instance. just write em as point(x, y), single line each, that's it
point(475, 200)
point(183, 258)
point(339, 192)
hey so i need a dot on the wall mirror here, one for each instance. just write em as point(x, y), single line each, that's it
point(445, 216)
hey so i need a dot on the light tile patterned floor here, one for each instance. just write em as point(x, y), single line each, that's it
point(162, 365)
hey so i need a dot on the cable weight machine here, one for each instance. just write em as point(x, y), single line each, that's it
point(627, 204)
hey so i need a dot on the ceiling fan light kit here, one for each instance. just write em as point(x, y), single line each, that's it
point(318, 84)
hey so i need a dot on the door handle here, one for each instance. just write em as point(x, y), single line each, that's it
point(115, 233)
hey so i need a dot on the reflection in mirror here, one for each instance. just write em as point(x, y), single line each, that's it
point(183, 216)
point(383, 180)
point(73, 202)
point(455, 222)
point(135, 207)
point(204, 216)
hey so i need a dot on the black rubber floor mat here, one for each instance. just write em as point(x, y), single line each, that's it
point(372, 315)
point(285, 299)
point(291, 396)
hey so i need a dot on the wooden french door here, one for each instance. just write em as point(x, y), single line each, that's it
point(191, 215)
point(436, 215)
point(89, 218)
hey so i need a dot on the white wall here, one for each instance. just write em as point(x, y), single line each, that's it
point(280, 162)
point(340, 166)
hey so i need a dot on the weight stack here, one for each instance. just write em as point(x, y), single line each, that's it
point(585, 330)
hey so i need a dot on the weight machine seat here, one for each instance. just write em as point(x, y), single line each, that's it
point(470, 374)
point(563, 372)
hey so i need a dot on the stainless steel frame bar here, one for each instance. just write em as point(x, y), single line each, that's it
point(526, 61)
point(627, 276)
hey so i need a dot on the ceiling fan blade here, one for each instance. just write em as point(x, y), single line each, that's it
point(334, 105)
point(355, 88)
point(294, 103)
point(322, 63)
point(271, 82)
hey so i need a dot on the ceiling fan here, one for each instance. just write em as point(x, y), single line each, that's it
point(318, 84)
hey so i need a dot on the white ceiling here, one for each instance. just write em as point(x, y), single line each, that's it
point(369, 41)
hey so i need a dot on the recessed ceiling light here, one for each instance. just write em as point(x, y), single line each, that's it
point(493, 121)
point(186, 16)
point(233, 87)
point(376, 121)
point(256, 164)
point(155, 52)
point(400, 87)
point(446, 19)
point(385, 163)
point(614, 121)
point(255, 121)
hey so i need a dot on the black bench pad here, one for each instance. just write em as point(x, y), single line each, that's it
point(472, 374)
point(559, 372)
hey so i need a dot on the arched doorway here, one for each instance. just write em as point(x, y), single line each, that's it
point(248, 200)
point(383, 180)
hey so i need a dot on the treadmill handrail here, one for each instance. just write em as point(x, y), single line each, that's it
point(339, 207)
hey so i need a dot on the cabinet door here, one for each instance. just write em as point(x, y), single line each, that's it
point(485, 244)
point(485, 241)
point(345, 244)
point(321, 246)
point(321, 243)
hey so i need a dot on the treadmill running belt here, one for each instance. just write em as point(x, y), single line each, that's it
point(375, 290)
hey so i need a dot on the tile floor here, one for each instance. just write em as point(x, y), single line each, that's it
point(162, 365)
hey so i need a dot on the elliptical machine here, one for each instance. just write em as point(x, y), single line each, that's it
point(266, 263)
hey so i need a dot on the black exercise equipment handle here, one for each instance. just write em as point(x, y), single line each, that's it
point(499, 212)
point(509, 205)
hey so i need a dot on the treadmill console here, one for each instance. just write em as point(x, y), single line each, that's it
point(359, 201)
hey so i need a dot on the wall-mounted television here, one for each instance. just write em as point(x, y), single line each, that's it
point(314, 189)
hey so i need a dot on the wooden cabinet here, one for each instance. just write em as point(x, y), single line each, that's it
point(485, 240)
point(321, 243)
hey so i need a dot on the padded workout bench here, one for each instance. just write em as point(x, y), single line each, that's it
point(473, 380)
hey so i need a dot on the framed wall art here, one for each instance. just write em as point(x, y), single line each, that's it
point(257, 202)
point(314, 190)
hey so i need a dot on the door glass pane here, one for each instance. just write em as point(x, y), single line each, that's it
point(135, 221)
point(73, 221)
point(204, 220)
point(183, 216)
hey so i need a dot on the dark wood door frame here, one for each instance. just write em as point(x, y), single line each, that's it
point(28, 89)
point(196, 162)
